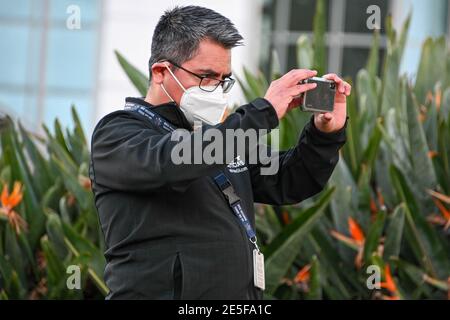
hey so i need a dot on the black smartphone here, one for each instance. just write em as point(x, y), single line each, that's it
point(320, 99)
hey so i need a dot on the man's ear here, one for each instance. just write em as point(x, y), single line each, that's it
point(158, 70)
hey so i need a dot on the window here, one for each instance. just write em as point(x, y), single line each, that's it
point(47, 67)
point(348, 38)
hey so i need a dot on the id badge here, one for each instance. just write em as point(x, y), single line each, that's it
point(258, 269)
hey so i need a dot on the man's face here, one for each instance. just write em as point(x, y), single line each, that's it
point(212, 60)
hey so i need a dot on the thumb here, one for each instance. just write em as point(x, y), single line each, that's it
point(327, 116)
point(324, 117)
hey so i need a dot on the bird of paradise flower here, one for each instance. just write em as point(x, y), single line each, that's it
point(9, 201)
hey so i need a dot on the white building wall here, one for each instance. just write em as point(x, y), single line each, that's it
point(429, 19)
point(127, 26)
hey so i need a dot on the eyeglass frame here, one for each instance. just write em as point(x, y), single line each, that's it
point(230, 80)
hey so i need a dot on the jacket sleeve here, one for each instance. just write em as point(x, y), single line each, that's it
point(303, 171)
point(128, 154)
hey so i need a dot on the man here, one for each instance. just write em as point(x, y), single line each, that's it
point(169, 229)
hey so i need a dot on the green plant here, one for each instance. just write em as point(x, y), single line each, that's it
point(59, 225)
point(390, 184)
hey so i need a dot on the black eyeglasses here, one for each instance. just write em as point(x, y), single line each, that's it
point(209, 84)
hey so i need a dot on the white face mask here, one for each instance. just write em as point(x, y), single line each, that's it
point(198, 104)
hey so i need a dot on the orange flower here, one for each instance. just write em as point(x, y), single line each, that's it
point(9, 202)
point(376, 205)
point(389, 285)
point(438, 99)
point(286, 218)
point(85, 182)
point(444, 219)
point(356, 240)
point(381, 200)
point(357, 235)
point(432, 154)
point(303, 275)
point(373, 206)
point(355, 231)
point(423, 113)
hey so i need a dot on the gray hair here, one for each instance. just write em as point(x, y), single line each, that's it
point(180, 30)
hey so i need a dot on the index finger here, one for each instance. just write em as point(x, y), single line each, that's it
point(342, 85)
point(295, 76)
point(334, 77)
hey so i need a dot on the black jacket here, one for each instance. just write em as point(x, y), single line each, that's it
point(169, 230)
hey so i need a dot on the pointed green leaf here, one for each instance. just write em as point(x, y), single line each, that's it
point(394, 233)
point(284, 248)
point(374, 235)
point(139, 80)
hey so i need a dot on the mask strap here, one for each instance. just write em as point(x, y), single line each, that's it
point(164, 89)
point(223, 115)
point(178, 81)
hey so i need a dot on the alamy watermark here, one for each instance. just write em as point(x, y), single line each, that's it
point(373, 22)
point(73, 21)
point(373, 281)
point(235, 147)
point(73, 281)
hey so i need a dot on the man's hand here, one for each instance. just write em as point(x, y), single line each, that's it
point(284, 93)
point(334, 121)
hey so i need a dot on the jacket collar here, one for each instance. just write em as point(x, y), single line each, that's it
point(169, 111)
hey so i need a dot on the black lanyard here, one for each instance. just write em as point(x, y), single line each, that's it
point(150, 115)
point(234, 202)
